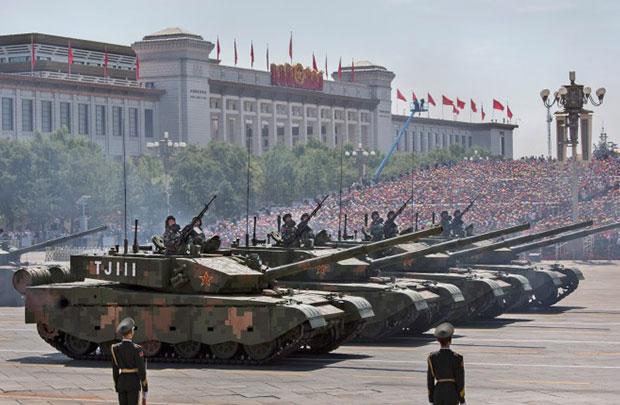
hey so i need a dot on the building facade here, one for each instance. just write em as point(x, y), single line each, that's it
point(184, 91)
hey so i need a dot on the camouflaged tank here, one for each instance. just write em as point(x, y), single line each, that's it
point(482, 296)
point(408, 305)
point(10, 260)
point(550, 283)
point(209, 308)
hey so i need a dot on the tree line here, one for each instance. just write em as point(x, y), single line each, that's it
point(41, 179)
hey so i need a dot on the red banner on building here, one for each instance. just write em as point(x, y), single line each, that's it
point(296, 76)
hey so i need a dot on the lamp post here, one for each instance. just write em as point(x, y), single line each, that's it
point(361, 158)
point(164, 149)
point(571, 98)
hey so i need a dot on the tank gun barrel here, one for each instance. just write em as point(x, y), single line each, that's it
point(15, 254)
point(564, 238)
point(518, 240)
point(362, 249)
point(443, 246)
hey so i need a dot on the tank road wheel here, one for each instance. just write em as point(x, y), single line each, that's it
point(78, 346)
point(225, 350)
point(152, 348)
point(373, 330)
point(260, 351)
point(188, 350)
point(293, 336)
point(106, 348)
point(46, 332)
point(321, 343)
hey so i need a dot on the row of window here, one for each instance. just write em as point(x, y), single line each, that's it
point(426, 141)
point(82, 121)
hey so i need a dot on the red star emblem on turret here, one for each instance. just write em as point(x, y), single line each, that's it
point(205, 279)
point(322, 269)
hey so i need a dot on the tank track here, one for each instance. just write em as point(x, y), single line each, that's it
point(305, 336)
point(563, 292)
point(392, 325)
point(351, 331)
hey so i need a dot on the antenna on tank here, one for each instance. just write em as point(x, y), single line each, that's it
point(247, 197)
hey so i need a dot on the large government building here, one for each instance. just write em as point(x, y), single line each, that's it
point(170, 82)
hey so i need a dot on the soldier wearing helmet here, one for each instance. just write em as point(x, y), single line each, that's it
point(390, 228)
point(196, 233)
point(446, 224)
point(376, 226)
point(288, 230)
point(445, 371)
point(172, 235)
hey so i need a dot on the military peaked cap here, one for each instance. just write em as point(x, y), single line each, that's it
point(445, 330)
point(126, 326)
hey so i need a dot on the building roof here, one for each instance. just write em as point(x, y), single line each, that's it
point(26, 38)
point(172, 33)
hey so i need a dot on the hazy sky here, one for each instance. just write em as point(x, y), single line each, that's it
point(480, 49)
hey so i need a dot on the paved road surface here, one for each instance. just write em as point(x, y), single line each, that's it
point(568, 354)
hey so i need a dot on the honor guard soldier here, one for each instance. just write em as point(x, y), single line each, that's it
point(446, 372)
point(129, 366)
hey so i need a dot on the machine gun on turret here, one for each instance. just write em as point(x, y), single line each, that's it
point(301, 227)
point(390, 221)
point(186, 232)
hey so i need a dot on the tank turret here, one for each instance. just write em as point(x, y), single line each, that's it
point(7, 257)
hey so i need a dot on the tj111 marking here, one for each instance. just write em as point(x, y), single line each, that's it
point(108, 270)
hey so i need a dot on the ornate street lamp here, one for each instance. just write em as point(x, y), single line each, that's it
point(571, 98)
point(164, 149)
point(361, 156)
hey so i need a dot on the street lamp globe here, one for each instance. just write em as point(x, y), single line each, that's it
point(372, 153)
point(347, 154)
point(182, 144)
point(149, 144)
point(600, 93)
point(170, 143)
point(544, 94)
point(365, 153)
point(586, 91)
point(562, 91)
point(156, 144)
point(166, 135)
point(354, 153)
point(176, 144)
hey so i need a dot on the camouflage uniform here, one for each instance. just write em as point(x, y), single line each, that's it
point(288, 232)
point(304, 230)
point(172, 237)
point(457, 225)
point(446, 224)
point(390, 229)
point(376, 229)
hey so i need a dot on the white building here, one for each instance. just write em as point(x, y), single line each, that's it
point(185, 91)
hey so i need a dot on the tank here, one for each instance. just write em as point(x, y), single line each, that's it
point(551, 283)
point(444, 301)
point(484, 296)
point(396, 306)
point(210, 308)
point(10, 260)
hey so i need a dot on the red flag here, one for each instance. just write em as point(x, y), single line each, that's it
point(252, 54)
point(137, 68)
point(455, 110)
point(326, 72)
point(431, 100)
point(497, 105)
point(446, 101)
point(235, 51)
point(290, 47)
point(460, 104)
point(70, 57)
point(508, 112)
point(473, 106)
point(314, 63)
point(268, 67)
point(413, 97)
point(482, 112)
point(105, 63)
point(340, 69)
point(218, 48)
point(33, 62)
point(352, 71)
point(400, 96)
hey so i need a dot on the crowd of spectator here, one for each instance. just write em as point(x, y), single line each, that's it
point(508, 192)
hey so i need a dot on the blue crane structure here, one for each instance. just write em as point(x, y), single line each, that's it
point(416, 108)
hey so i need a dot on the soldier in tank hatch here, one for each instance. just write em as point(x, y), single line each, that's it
point(446, 224)
point(390, 228)
point(376, 226)
point(445, 371)
point(129, 366)
point(196, 233)
point(288, 230)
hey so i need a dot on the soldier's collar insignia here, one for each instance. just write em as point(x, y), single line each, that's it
point(205, 279)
